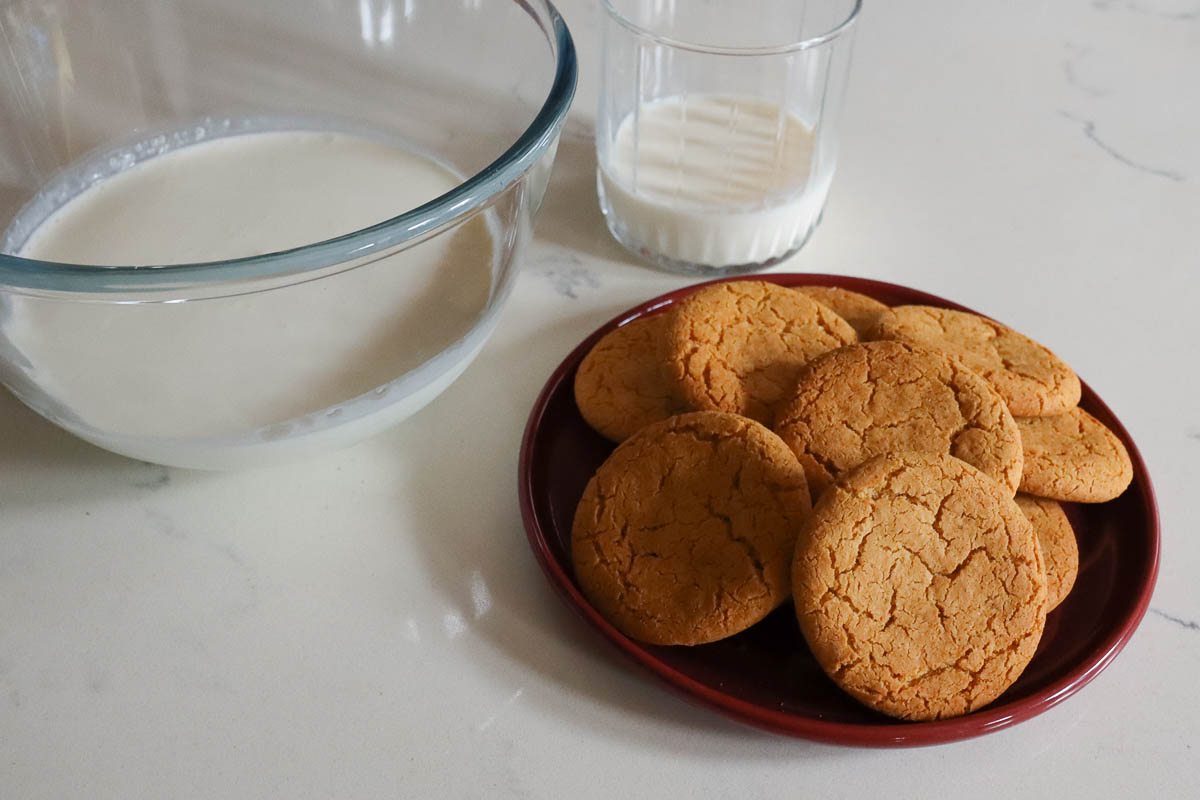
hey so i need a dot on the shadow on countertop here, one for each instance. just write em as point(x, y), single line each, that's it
point(526, 634)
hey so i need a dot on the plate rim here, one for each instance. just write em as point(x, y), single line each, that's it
point(989, 719)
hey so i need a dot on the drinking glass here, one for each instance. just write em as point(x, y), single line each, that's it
point(717, 130)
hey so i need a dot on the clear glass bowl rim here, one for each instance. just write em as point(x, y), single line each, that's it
point(835, 32)
point(476, 192)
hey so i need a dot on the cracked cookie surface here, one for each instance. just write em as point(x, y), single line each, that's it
point(1031, 379)
point(738, 346)
point(685, 534)
point(1060, 551)
point(620, 387)
point(919, 586)
point(878, 398)
point(865, 314)
point(1073, 457)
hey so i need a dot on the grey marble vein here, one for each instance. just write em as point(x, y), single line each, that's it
point(1142, 8)
point(567, 278)
point(157, 477)
point(163, 524)
point(1089, 130)
point(1070, 71)
point(247, 600)
point(1191, 625)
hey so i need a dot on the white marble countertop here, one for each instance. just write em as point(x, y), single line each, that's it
point(371, 622)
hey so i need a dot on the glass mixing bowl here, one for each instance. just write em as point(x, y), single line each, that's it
point(270, 356)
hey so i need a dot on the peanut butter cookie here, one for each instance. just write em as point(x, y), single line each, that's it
point(1056, 537)
point(1073, 457)
point(878, 398)
point(863, 313)
point(919, 587)
point(620, 387)
point(1031, 379)
point(685, 534)
point(738, 346)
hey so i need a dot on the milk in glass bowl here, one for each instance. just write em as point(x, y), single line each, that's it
point(235, 233)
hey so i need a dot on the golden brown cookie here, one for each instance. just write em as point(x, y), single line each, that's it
point(1073, 457)
point(918, 586)
point(738, 346)
point(620, 387)
point(1031, 379)
point(685, 534)
point(1056, 537)
point(863, 313)
point(878, 398)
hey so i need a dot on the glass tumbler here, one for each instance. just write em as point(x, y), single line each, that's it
point(717, 128)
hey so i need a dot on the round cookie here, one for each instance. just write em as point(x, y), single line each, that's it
point(1056, 537)
point(863, 313)
point(1073, 457)
point(620, 387)
point(738, 346)
point(685, 534)
point(1031, 379)
point(878, 398)
point(919, 586)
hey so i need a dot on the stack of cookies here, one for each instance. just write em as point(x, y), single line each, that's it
point(863, 461)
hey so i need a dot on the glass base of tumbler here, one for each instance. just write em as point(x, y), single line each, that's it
point(662, 246)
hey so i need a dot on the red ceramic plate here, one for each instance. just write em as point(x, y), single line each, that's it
point(766, 676)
